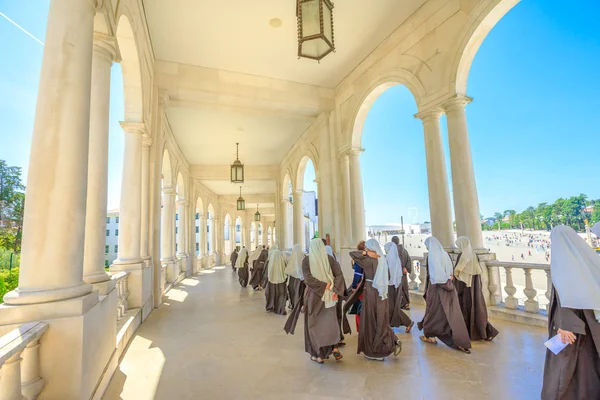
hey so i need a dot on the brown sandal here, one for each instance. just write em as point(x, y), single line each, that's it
point(316, 359)
point(337, 355)
point(428, 340)
point(460, 348)
point(409, 328)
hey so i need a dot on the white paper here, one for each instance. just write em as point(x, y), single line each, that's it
point(555, 345)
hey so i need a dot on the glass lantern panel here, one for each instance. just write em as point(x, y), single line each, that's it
point(327, 23)
point(311, 23)
point(315, 48)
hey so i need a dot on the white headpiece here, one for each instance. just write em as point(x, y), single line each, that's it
point(439, 263)
point(241, 260)
point(276, 267)
point(394, 263)
point(380, 280)
point(320, 269)
point(468, 264)
point(294, 267)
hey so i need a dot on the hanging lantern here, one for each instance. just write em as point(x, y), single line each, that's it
point(315, 28)
point(241, 203)
point(237, 168)
point(257, 215)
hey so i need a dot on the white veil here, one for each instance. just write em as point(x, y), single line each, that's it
point(294, 267)
point(394, 264)
point(321, 270)
point(439, 263)
point(380, 280)
point(468, 264)
point(276, 267)
point(575, 269)
point(241, 260)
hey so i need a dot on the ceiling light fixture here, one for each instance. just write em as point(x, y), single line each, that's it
point(315, 28)
point(237, 168)
point(257, 215)
point(241, 203)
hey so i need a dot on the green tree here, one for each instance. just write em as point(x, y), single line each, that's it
point(12, 201)
point(498, 217)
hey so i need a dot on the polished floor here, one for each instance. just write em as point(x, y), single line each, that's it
point(212, 339)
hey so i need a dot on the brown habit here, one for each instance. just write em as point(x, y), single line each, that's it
point(398, 297)
point(376, 338)
point(295, 289)
point(474, 310)
point(321, 328)
point(275, 294)
point(258, 270)
point(233, 259)
point(443, 317)
point(407, 264)
point(573, 374)
point(243, 273)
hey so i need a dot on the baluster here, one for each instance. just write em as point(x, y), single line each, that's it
point(125, 293)
point(33, 383)
point(548, 288)
point(413, 278)
point(10, 385)
point(423, 275)
point(119, 298)
point(531, 305)
point(511, 301)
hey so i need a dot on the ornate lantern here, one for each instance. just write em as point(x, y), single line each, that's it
point(315, 28)
point(257, 215)
point(241, 203)
point(237, 168)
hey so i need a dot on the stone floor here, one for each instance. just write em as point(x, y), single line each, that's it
point(213, 340)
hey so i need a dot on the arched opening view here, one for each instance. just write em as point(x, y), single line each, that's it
point(306, 213)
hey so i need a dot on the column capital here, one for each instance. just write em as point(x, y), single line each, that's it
point(429, 114)
point(106, 46)
point(356, 151)
point(146, 140)
point(133, 128)
point(458, 101)
point(183, 201)
point(298, 192)
point(169, 191)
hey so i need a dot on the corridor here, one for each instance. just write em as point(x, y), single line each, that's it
point(213, 340)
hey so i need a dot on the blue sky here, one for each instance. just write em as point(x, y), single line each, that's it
point(534, 124)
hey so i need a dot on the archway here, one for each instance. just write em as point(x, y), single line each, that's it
point(210, 219)
point(288, 213)
point(253, 242)
point(198, 222)
point(307, 185)
point(180, 220)
point(228, 236)
point(130, 65)
point(260, 234)
point(167, 209)
point(238, 233)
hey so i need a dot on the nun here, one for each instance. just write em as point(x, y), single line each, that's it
point(265, 277)
point(376, 339)
point(276, 291)
point(339, 309)
point(258, 258)
point(295, 283)
point(241, 264)
point(443, 318)
point(467, 282)
point(395, 293)
point(233, 258)
point(574, 315)
point(324, 286)
point(406, 269)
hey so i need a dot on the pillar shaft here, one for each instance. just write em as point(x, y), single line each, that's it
point(97, 190)
point(359, 228)
point(284, 241)
point(298, 219)
point(54, 220)
point(144, 231)
point(437, 179)
point(168, 200)
point(130, 213)
point(181, 228)
point(466, 202)
point(346, 201)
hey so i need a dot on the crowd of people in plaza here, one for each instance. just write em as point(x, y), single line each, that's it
point(313, 284)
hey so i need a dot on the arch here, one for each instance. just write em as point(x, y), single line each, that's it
point(481, 21)
point(259, 237)
point(228, 238)
point(369, 98)
point(167, 170)
point(239, 237)
point(132, 75)
point(285, 187)
point(199, 235)
point(302, 169)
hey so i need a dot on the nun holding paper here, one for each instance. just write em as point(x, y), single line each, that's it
point(376, 339)
point(574, 316)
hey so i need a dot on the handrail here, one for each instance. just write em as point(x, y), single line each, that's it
point(21, 380)
point(513, 264)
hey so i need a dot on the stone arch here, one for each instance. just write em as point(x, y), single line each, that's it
point(370, 96)
point(239, 228)
point(229, 244)
point(285, 187)
point(131, 69)
point(167, 169)
point(287, 211)
point(302, 169)
point(481, 21)
point(199, 233)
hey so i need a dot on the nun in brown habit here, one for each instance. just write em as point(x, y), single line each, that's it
point(395, 293)
point(276, 290)
point(443, 317)
point(241, 264)
point(468, 286)
point(258, 259)
point(295, 283)
point(574, 314)
point(406, 269)
point(324, 285)
point(376, 339)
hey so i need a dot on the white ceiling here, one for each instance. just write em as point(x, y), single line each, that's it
point(208, 136)
point(249, 187)
point(235, 35)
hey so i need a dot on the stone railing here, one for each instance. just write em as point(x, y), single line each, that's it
point(19, 362)
point(413, 284)
point(531, 303)
point(163, 275)
point(122, 288)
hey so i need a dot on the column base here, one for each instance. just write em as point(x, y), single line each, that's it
point(24, 296)
point(73, 324)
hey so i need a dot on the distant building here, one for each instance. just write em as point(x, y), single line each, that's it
point(395, 229)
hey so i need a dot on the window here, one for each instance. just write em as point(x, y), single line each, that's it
point(106, 249)
point(207, 228)
point(197, 246)
point(176, 230)
point(116, 232)
point(106, 263)
point(108, 220)
point(108, 232)
point(197, 215)
point(117, 219)
point(116, 248)
point(176, 247)
point(197, 229)
point(176, 217)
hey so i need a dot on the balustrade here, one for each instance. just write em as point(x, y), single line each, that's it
point(19, 362)
point(122, 288)
point(412, 283)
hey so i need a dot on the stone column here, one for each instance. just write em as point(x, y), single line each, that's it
point(298, 219)
point(346, 202)
point(130, 213)
point(54, 220)
point(437, 178)
point(283, 235)
point(168, 200)
point(466, 202)
point(181, 228)
point(358, 205)
point(97, 190)
point(144, 231)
